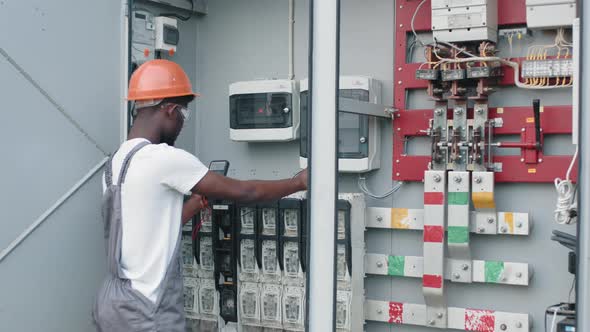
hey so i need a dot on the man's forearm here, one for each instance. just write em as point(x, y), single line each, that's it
point(261, 191)
point(188, 212)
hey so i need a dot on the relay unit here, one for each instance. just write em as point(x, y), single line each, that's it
point(465, 20)
point(546, 14)
point(359, 135)
point(264, 111)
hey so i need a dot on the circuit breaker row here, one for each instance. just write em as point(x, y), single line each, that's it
point(245, 265)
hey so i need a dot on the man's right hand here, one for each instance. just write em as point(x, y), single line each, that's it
point(301, 177)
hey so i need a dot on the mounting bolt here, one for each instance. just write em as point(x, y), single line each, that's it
point(439, 315)
point(401, 25)
point(396, 174)
point(522, 129)
point(478, 179)
point(519, 274)
point(503, 229)
point(397, 161)
point(540, 160)
point(503, 327)
point(399, 82)
point(379, 218)
point(363, 139)
point(458, 111)
point(519, 224)
point(522, 160)
point(399, 69)
point(379, 264)
point(436, 178)
point(457, 179)
point(481, 230)
point(456, 276)
point(518, 325)
point(490, 220)
point(431, 322)
point(465, 267)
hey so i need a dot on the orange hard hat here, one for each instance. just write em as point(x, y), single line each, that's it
point(159, 79)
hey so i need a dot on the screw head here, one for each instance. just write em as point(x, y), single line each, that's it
point(519, 224)
point(399, 82)
point(503, 229)
point(286, 110)
point(456, 276)
point(439, 315)
point(379, 264)
point(478, 179)
point(540, 160)
point(490, 220)
point(401, 25)
point(479, 111)
point(519, 274)
point(522, 129)
point(397, 161)
point(436, 178)
point(399, 69)
point(363, 139)
point(379, 311)
point(458, 111)
point(379, 218)
point(465, 267)
point(518, 325)
point(481, 230)
point(438, 112)
point(522, 160)
point(457, 179)
point(431, 322)
point(503, 327)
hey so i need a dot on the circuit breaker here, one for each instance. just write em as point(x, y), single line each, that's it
point(264, 111)
point(465, 20)
point(249, 265)
point(359, 135)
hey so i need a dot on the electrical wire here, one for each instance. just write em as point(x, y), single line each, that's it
point(182, 18)
point(363, 187)
point(566, 193)
point(412, 23)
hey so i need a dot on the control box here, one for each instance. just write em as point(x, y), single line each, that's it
point(465, 20)
point(167, 35)
point(547, 14)
point(359, 135)
point(264, 111)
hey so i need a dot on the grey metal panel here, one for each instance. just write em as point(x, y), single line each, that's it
point(71, 50)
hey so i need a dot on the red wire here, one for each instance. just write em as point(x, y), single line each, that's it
point(196, 229)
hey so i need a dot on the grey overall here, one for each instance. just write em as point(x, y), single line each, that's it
point(119, 307)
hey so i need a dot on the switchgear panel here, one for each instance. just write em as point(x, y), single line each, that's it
point(359, 135)
point(249, 264)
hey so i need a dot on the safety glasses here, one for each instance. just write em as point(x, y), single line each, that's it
point(185, 112)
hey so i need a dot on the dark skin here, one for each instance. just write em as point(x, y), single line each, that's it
point(163, 123)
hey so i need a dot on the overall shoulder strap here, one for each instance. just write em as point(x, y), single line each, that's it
point(127, 161)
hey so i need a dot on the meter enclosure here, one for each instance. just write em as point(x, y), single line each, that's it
point(359, 135)
point(264, 111)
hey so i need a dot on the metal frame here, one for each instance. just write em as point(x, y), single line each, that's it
point(323, 159)
point(347, 105)
point(554, 120)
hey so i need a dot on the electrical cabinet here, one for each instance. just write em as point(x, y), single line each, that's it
point(264, 111)
point(359, 135)
point(550, 13)
point(143, 40)
point(167, 35)
point(464, 20)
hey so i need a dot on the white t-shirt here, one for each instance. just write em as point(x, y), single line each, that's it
point(152, 197)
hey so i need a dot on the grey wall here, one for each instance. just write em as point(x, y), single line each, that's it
point(71, 50)
point(245, 40)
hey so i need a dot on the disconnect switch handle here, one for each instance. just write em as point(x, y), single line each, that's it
point(537, 114)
